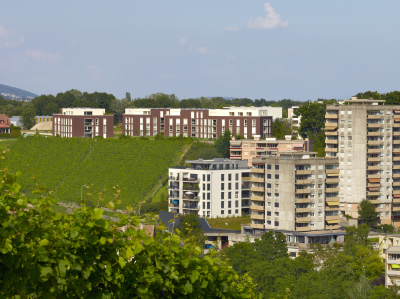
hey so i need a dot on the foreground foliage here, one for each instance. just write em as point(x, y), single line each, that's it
point(44, 254)
point(64, 165)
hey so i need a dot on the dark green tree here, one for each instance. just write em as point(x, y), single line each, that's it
point(222, 144)
point(28, 116)
point(281, 127)
point(366, 211)
point(189, 225)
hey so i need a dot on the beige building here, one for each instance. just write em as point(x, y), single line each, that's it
point(248, 149)
point(392, 266)
point(296, 191)
point(365, 137)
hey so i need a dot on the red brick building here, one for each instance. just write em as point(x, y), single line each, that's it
point(200, 123)
point(83, 122)
point(5, 124)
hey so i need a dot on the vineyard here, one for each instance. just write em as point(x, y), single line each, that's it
point(65, 167)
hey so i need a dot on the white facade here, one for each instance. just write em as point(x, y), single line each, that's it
point(275, 112)
point(210, 188)
point(82, 111)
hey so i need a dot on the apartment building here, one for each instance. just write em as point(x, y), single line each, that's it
point(83, 122)
point(210, 188)
point(392, 266)
point(296, 191)
point(248, 149)
point(200, 123)
point(365, 137)
point(295, 119)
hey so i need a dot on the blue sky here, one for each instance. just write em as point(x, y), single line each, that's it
point(301, 50)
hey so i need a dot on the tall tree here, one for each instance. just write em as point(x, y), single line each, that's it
point(281, 127)
point(222, 144)
point(366, 211)
point(28, 115)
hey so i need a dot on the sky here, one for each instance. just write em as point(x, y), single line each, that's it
point(299, 50)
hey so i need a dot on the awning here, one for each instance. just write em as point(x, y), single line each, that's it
point(374, 180)
point(332, 221)
point(332, 174)
point(397, 119)
point(175, 201)
point(333, 203)
point(396, 195)
point(330, 128)
point(395, 266)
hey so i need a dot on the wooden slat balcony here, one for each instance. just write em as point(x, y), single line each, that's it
point(331, 141)
point(260, 226)
point(257, 208)
point(396, 167)
point(331, 133)
point(374, 116)
point(332, 208)
point(335, 217)
point(257, 170)
point(332, 171)
point(257, 217)
point(335, 226)
point(396, 125)
point(257, 180)
point(396, 141)
point(257, 198)
point(395, 209)
point(303, 228)
point(331, 149)
point(335, 198)
point(375, 201)
point(303, 200)
point(303, 219)
point(373, 168)
point(374, 176)
point(257, 189)
point(396, 175)
point(331, 126)
point(396, 133)
point(396, 200)
point(396, 184)
point(396, 192)
point(303, 191)
point(374, 159)
point(331, 116)
point(396, 158)
point(303, 172)
point(373, 193)
point(374, 150)
point(332, 181)
point(303, 182)
point(374, 133)
point(332, 190)
point(374, 125)
point(303, 210)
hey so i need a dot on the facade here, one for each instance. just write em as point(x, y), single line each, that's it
point(5, 124)
point(43, 118)
point(83, 122)
point(295, 119)
point(296, 191)
point(248, 149)
point(200, 123)
point(392, 266)
point(365, 137)
point(210, 188)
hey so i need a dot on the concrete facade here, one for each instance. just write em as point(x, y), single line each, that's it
point(296, 191)
point(365, 137)
point(210, 188)
point(392, 266)
point(200, 123)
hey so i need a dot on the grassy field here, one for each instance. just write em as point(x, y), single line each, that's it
point(5, 144)
point(92, 168)
point(161, 195)
point(229, 223)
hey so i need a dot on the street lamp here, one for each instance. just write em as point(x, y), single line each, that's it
point(81, 192)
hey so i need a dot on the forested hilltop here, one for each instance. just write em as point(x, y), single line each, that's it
point(95, 168)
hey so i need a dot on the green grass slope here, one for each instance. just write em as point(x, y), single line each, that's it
point(64, 165)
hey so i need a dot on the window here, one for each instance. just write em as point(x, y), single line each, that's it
point(237, 177)
point(268, 213)
point(222, 177)
point(268, 166)
point(208, 177)
point(229, 204)
point(88, 113)
point(229, 195)
point(222, 195)
point(276, 223)
point(229, 186)
point(229, 177)
point(276, 167)
point(208, 205)
point(277, 205)
point(268, 185)
point(277, 177)
point(276, 213)
point(208, 196)
point(222, 204)
point(222, 212)
point(222, 186)
point(236, 204)
point(268, 176)
point(208, 187)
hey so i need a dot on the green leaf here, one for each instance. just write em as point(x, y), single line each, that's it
point(129, 253)
point(194, 276)
point(121, 261)
point(62, 265)
point(97, 213)
point(7, 247)
point(45, 272)
point(103, 240)
point(188, 287)
point(138, 248)
point(44, 242)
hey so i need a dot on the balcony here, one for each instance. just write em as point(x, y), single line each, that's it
point(303, 228)
point(396, 141)
point(334, 217)
point(396, 158)
point(257, 217)
point(303, 220)
point(396, 200)
point(375, 201)
point(331, 133)
point(257, 189)
point(191, 207)
point(332, 181)
point(331, 141)
point(373, 176)
point(397, 192)
point(335, 198)
point(303, 191)
point(373, 168)
point(257, 180)
point(374, 151)
point(303, 200)
point(303, 182)
point(396, 184)
point(374, 142)
point(303, 210)
point(396, 133)
point(331, 149)
point(396, 125)
point(335, 226)
point(396, 167)
point(331, 126)
point(257, 198)
point(303, 172)
point(257, 208)
point(374, 116)
point(332, 190)
point(395, 209)
point(374, 159)
point(332, 208)
point(396, 175)
point(260, 226)
point(330, 171)
point(374, 193)
point(191, 198)
point(331, 116)
point(374, 133)
point(374, 125)
point(257, 170)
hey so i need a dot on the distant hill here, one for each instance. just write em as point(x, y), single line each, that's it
point(13, 93)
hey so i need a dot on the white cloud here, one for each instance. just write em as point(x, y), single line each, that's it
point(272, 20)
point(230, 57)
point(185, 43)
point(43, 56)
point(10, 38)
point(203, 50)
point(232, 29)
